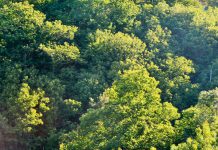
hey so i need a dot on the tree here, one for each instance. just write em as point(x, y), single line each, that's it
point(107, 55)
point(24, 29)
point(29, 107)
point(129, 116)
point(174, 76)
point(92, 15)
point(204, 140)
point(192, 118)
point(145, 55)
point(32, 51)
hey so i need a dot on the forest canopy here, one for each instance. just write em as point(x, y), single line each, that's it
point(108, 74)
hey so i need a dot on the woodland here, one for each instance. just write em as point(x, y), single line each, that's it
point(108, 75)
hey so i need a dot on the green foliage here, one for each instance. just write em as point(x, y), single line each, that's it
point(205, 110)
point(130, 114)
point(174, 78)
point(30, 106)
point(19, 23)
point(204, 140)
point(31, 51)
point(107, 55)
point(61, 53)
point(95, 14)
point(150, 57)
point(24, 29)
point(56, 31)
point(107, 48)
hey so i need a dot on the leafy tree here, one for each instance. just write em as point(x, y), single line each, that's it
point(106, 48)
point(31, 52)
point(61, 54)
point(30, 106)
point(204, 140)
point(106, 56)
point(172, 71)
point(204, 111)
point(92, 15)
point(23, 30)
point(51, 75)
point(173, 74)
point(129, 116)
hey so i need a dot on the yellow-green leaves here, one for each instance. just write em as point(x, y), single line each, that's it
point(145, 56)
point(136, 83)
point(205, 140)
point(57, 31)
point(131, 117)
point(95, 14)
point(200, 123)
point(30, 107)
point(72, 105)
point(107, 48)
point(61, 53)
point(209, 98)
point(19, 23)
point(23, 29)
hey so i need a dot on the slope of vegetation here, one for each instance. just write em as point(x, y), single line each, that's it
point(109, 74)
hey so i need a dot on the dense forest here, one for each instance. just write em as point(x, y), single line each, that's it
point(108, 75)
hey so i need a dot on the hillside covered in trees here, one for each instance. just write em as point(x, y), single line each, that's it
point(108, 75)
